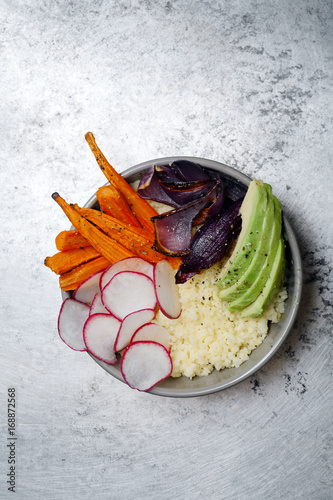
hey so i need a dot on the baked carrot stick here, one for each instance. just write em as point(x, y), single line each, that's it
point(112, 202)
point(127, 236)
point(140, 207)
point(175, 261)
point(114, 225)
point(107, 247)
point(64, 261)
point(140, 240)
point(70, 239)
point(72, 279)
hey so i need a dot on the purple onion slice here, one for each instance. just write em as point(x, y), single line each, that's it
point(185, 192)
point(210, 242)
point(173, 229)
point(233, 189)
point(189, 171)
point(175, 185)
point(214, 207)
point(150, 188)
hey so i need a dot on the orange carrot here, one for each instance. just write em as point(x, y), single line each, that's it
point(72, 279)
point(113, 224)
point(64, 261)
point(129, 237)
point(107, 247)
point(175, 261)
point(140, 207)
point(112, 202)
point(118, 230)
point(68, 240)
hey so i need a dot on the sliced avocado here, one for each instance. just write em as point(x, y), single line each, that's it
point(264, 264)
point(270, 235)
point(253, 212)
point(272, 287)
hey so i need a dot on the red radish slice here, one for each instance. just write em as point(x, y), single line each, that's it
point(153, 332)
point(129, 325)
point(97, 305)
point(99, 333)
point(145, 364)
point(167, 292)
point(128, 292)
point(72, 317)
point(129, 264)
point(88, 289)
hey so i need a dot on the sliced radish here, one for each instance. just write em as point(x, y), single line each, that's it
point(88, 289)
point(72, 317)
point(167, 292)
point(145, 364)
point(99, 333)
point(97, 305)
point(127, 292)
point(129, 325)
point(153, 332)
point(129, 264)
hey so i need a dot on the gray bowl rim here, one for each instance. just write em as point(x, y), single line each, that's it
point(289, 318)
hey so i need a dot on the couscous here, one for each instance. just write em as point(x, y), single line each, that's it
point(207, 335)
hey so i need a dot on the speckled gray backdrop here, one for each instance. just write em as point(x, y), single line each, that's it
point(248, 83)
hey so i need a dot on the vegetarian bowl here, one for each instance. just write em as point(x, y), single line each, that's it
point(278, 332)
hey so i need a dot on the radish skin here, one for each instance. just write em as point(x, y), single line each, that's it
point(154, 332)
point(128, 292)
point(166, 290)
point(129, 264)
point(87, 290)
point(129, 326)
point(97, 305)
point(72, 317)
point(99, 333)
point(145, 364)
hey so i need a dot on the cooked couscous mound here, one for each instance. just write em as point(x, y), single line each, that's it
point(207, 335)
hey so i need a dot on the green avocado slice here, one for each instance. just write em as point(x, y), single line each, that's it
point(270, 235)
point(272, 287)
point(253, 212)
point(265, 266)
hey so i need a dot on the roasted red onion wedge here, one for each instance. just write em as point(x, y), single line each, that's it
point(177, 184)
point(167, 185)
point(214, 207)
point(184, 192)
point(173, 230)
point(188, 170)
point(233, 190)
point(210, 243)
point(151, 189)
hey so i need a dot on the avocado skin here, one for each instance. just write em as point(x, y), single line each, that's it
point(253, 214)
point(272, 287)
point(270, 234)
point(251, 294)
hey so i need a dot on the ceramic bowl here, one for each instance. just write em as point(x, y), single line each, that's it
point(219, 380)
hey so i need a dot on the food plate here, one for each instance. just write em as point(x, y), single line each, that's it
point(184, 387)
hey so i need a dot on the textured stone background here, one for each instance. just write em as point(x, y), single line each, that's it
point(248, 83)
